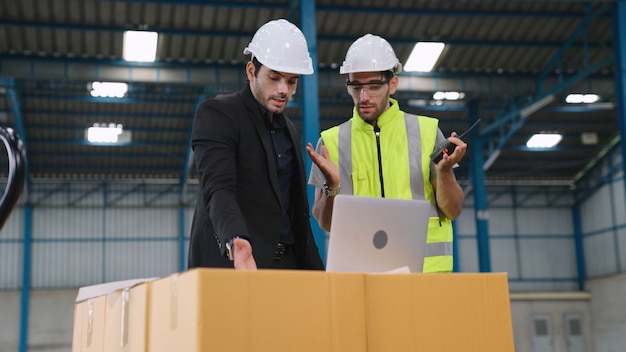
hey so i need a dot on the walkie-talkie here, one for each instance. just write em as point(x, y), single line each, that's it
point(448, 147)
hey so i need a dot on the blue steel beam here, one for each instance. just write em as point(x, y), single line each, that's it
point(310, 111)
point(14, 102)
point(481, 212)
point(619, 35)
point(26, 271)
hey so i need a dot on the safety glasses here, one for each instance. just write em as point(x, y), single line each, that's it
point(372, 88)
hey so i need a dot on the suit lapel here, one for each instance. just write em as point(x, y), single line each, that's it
point(261, 130)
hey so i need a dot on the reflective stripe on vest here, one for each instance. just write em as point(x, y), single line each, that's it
point(338, 140)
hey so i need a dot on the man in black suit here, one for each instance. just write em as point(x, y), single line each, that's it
point(252, 209)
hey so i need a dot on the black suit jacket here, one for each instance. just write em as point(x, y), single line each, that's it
point(239, 193)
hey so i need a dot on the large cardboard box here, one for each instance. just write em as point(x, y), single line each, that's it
point(272, 310)
point(265, 310)
point(126, 327)
point(111, 317)
point(438, 312)
point(89, 318)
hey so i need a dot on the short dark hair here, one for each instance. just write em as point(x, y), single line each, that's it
point(387, 75)
point(257, 67)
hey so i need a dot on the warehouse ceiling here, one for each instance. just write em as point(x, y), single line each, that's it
point(509, 58)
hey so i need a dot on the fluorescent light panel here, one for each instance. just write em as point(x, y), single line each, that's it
point(140, 46)
point(104, 133)
point(424, 56)
point(582, 98)
point(448, 95)
point(109, 89)
point(544, 140)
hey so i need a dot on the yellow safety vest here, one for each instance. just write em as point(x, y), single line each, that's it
point(406, 169)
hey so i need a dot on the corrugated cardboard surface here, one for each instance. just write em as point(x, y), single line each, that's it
point(127, 318)
point(89, 321)
point(281, 310)
point(266, 310)
point(438, 312)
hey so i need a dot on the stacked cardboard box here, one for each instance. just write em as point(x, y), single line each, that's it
point(112, 317)
point(278, 310)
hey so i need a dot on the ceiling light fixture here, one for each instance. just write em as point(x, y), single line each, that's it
point(424, 56)
point(102, 133)
point(582, 98)
point(448, 95)
point(140, 46)
point(109, 89)
point(544, 140)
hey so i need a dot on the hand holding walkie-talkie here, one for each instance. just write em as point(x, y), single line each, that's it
point(448, 147)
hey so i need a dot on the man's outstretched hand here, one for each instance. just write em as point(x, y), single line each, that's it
point(243, 255)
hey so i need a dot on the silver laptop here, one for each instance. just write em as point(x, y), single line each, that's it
point(377, 235)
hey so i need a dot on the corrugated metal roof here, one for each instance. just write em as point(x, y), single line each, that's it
point(50, 50)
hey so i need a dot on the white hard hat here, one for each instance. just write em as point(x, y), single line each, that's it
point(281, 46)
point(370, 53)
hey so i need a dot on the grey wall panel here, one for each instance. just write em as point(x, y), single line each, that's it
point(468, 255)
point(67, 223)
point(544, 221)
point(132, 260)
point(621, 249)
point(11, 265)
point(501, 221)
point(504, 257)
point(596, 211)
point(11, 250)
point(465, 223)
point(14, 226)
point(141, 222)
point(67, 264)
point(548, 258)
point(600, 255)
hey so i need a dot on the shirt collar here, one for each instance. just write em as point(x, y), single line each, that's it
point(277, 122)
point(385, 118)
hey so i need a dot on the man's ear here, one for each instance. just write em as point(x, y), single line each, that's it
point(393, 84)
point(250, 71)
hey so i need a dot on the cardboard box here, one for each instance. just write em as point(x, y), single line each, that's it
point(265, 310)
point(89, 318)
point(438, 312)
point(127, 316)
point(101, 317)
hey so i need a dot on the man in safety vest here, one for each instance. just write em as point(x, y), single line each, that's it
point(384, 152)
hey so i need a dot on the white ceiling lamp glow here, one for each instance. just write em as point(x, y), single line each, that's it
point(448, 95)
point(109, 89)
point(102, 133)
point(140, 46)
point(544, 140)
point(582, 98)
point(424, 56)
